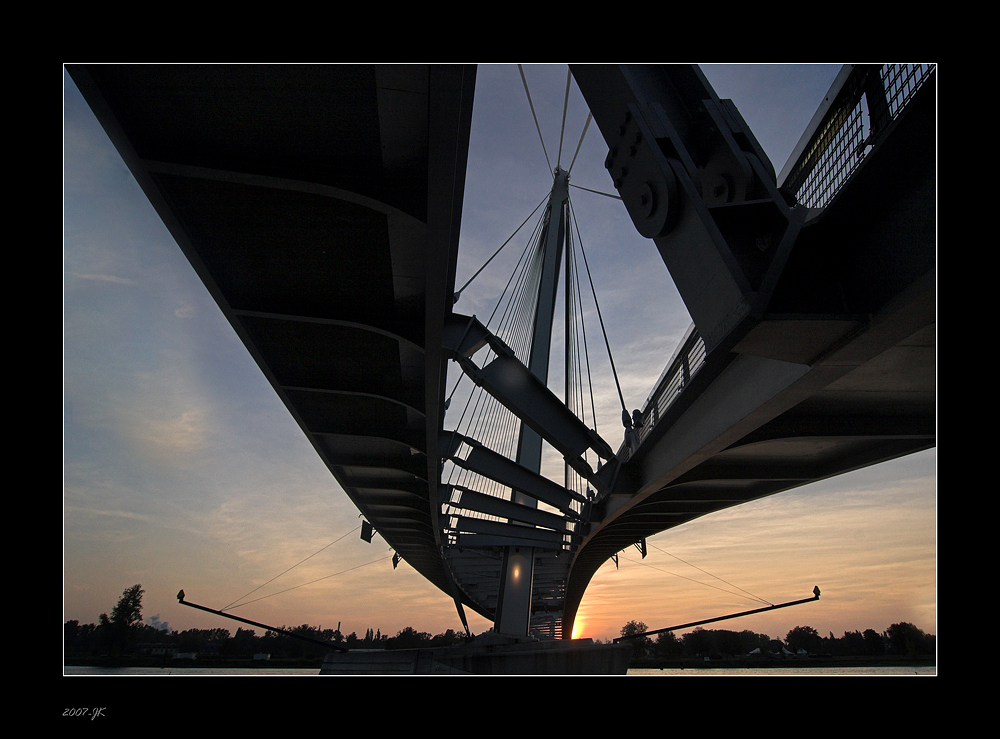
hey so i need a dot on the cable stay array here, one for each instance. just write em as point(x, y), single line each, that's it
point(495, 502)
point(484, 418)
point(496, 505)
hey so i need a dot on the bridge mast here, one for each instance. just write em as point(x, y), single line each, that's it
point(513, 614)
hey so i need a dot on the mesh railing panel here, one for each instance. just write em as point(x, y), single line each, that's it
point(864, 108)
point(867, 103)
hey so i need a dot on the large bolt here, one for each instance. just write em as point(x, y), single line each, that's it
point(647, 200)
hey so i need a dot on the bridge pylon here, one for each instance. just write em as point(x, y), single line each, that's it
point(513, 615)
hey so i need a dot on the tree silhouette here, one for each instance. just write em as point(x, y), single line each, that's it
point(804, 637)
point(641, 646)
point(668, 645)
point(408, 638)
point(127, 614)
point(874, 643)
point(697, 642)
point(126, 618)
point(906, 639)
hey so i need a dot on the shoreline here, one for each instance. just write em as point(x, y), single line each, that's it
point(763, 663)
point(655, 664)
point(152, 662)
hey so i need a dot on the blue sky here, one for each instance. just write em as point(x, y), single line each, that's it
point(183, 470)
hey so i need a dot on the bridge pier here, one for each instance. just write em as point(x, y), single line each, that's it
point(514, 599)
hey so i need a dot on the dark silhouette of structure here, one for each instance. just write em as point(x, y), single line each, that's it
point(321, 207)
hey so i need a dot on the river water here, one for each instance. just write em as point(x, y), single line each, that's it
point(263, 672)
point(786, 671)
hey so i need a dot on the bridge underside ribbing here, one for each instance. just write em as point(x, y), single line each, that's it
point(321, 207)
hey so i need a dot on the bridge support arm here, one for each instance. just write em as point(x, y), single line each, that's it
point(328, 645)
point(527, 397)
point(720, 618)
point(696, 181)
point(471, 500)
point(497, 467)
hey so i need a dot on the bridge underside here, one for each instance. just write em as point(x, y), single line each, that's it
point(321, 206)
point(838, 373)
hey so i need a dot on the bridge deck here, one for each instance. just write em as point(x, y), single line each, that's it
point(838, 374)
point(320, 205)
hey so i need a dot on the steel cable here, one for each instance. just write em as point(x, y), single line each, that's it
point(537, 127)
point(562, 129)
point(286, 571)
point(600, 317)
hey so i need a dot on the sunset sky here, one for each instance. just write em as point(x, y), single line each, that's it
point(182, 469)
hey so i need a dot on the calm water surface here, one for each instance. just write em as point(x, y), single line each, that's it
point(263, 672)
point(777, 671)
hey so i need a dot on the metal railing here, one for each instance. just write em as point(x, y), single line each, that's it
point(859, 108)
point(687, 360)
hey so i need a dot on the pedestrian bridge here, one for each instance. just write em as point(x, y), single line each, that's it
point(320, 205)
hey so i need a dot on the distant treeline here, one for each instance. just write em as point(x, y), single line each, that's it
point(902, 639)
point(92, 640)
point(124, 633)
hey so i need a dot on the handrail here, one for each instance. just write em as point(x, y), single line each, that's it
point(687, 360)
point(855, 113)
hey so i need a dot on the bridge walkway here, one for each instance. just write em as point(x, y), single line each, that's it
point(838, 372)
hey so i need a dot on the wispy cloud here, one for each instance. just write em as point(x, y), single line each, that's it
point(104, 278)
point(169, 431)
point(132, 515)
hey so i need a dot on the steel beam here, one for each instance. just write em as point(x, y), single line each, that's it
point(526, 396)
point(471, 500)
point(695, 180)
point(526, 483)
